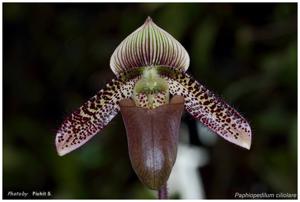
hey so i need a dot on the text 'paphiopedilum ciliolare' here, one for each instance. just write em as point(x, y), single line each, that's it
point(151, 87)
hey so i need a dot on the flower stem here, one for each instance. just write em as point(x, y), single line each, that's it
point(163, 192)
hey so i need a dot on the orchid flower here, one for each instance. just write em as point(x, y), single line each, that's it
point(150, 87)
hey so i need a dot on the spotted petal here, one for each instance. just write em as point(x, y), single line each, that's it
point(148, 46)
point(93, 116)
point(210, 110)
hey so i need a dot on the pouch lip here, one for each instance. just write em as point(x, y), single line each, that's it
point(167, 133)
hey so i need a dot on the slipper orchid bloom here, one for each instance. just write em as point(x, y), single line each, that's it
point(151, 89)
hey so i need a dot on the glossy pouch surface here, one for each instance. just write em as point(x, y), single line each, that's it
point(152, 136)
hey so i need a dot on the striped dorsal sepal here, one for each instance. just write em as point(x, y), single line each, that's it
point(149, 46)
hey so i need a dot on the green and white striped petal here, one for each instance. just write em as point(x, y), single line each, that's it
point(93, 116)
point(149, 46)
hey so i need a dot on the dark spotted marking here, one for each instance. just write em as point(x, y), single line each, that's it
point(208, 108)
point(94, 115)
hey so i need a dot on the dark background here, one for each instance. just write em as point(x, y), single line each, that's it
point(56, 56)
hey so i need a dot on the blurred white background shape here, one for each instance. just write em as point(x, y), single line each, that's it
point(206, 136)
point(185, 179)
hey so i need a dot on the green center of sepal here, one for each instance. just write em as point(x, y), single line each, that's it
point(151, 90)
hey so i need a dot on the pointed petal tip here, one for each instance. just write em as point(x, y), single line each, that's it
point(59, 148)
point(60, 152)
point(249, 133)
point(250, 140)
point(148, 20)
point(62, 146)
point(245, 139)
point(246, 144)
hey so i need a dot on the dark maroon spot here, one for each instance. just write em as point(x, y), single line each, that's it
point(207, 102)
